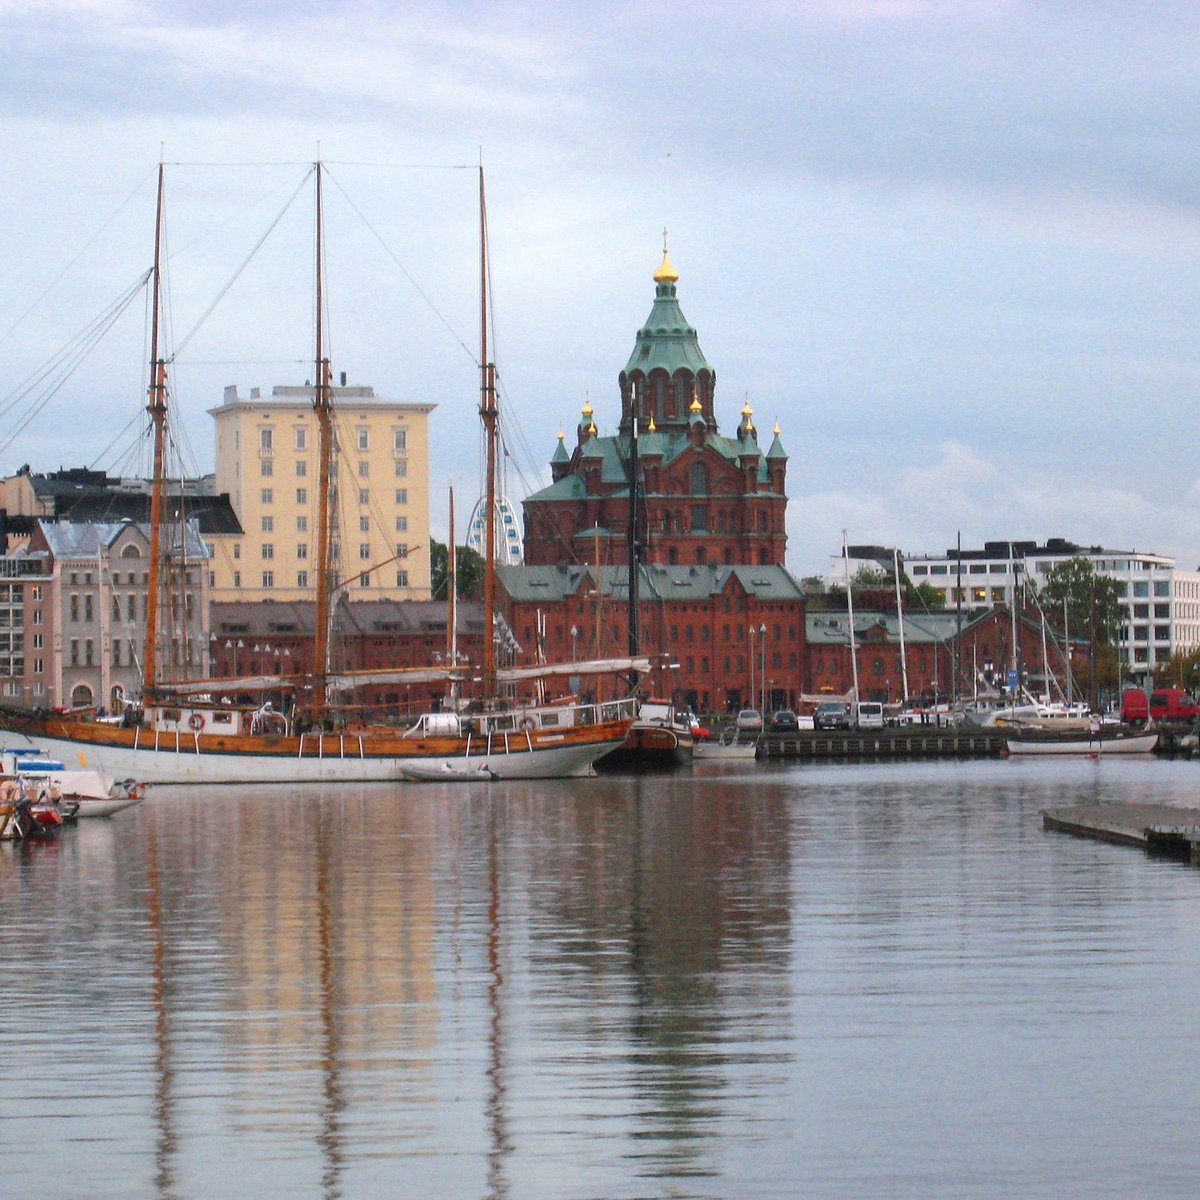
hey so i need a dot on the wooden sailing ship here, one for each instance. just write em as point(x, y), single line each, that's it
point(182, 734)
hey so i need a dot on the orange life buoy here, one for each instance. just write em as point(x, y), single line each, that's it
point(196, 722)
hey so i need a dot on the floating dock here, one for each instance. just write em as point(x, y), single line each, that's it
point(1160, 829)
point(917, 741)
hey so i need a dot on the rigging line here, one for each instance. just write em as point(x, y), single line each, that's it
point(240, 362)
point(405, 271)
point(68, 368)
point(245, 263)
point(103, 321)
point(120, 434)
point(326, 162)
point(82, 250)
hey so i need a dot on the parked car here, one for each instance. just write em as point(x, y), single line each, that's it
point(1135, 706)
point(749, 720)
point(832, 714)
point(784, 721)
point(868, 714)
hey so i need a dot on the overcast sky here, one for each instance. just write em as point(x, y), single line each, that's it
point(951, 246)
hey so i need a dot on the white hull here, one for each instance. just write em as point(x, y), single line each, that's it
point(1142, 743)
point(92, 806)
point(344, 759)
point(716, 751)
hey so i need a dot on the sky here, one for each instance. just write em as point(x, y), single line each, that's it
point(950, 246)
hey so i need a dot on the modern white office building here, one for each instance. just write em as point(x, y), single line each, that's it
point(1161, 601)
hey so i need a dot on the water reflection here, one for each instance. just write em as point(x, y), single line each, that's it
point(759, 980)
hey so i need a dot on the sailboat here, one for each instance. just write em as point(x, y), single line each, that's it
point(182, 735)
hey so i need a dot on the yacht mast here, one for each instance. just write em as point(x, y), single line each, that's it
point(900, 617)
point(323, 408)
point(850, 621)
point(157, 408)
point(490, 416)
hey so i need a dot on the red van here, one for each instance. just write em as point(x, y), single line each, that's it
point(1172, 704)
point(1135, 706)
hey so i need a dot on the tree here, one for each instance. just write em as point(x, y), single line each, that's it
point(1183, 670)
point(469, 566)
point(1089, 603)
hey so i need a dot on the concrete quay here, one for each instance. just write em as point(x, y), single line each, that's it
point(1160, 829)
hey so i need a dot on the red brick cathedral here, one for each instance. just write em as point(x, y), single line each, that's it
point(704, 499)
point(718, 611)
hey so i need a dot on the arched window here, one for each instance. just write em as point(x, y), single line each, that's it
point(131, 551)
point(698, 479)
point(81, 696)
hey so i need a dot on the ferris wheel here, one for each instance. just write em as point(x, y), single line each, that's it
point(509, 551)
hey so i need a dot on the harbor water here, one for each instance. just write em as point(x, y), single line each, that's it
point(741, 980)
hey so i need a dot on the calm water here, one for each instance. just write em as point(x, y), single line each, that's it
point(819, 981)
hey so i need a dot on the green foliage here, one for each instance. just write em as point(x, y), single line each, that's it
point(469, 566)
point(1093, 601)
point(1183, 670)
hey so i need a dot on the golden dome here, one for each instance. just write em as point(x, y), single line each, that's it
point(666, 273)
point(777, 430)
point(747, 411)
point(695, 404)
point(587, 406)
point(650, 427)
point(592, 429)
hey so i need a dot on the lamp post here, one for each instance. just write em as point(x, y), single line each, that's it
point(574, 636)
point(753, 697)
point(762, 680)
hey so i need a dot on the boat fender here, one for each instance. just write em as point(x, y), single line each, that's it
point(196, 722)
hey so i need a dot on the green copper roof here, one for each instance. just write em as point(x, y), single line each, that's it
point(666, 340)
point(777, 450)
point(560, 453)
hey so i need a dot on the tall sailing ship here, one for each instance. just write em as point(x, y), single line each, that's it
point(181, 734)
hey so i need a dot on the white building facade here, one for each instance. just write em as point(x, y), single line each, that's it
point(1161, 602)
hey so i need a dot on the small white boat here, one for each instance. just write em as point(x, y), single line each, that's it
point(723, 751)
point(1088, 742)
point(446, 772)
point(90, 793)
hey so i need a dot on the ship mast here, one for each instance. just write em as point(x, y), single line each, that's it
point(157, 408)
point(323, 408)
point(490, 416)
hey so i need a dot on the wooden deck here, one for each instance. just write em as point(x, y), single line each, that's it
point(1158, 828)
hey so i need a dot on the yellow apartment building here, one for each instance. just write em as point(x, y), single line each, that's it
point(266, 459)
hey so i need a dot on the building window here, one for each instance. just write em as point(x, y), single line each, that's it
point(401, 469)
point(402, 495)
point(400, 440)
point(302, 579)
point(38, 642)
point(266, 438)
point(302, 550)
point(74, 606)
point(268, 524)
point(116, 652)
point(268, 550)
point(364, 580)
point(74, 652)
point(364, 469)
point(301, 524)
point(266, 467)
point(301, 468)
point(364, 437)
point(268, 579)
point(237, 550)
point(401, 524)
point(402, 550)
point(237, 579)
point(87, 608)
point(35, 592)
point(402, 579)
point(364, 550)
point(364, 496)
point(700, 518)
point(302, 495)
point(698, 479)
point(301, 437)
point(267, 496)
point(364, 524)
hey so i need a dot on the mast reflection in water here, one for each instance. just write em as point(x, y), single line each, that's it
point(746, 980)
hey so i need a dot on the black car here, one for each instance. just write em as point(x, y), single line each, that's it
point(784, 721)
point(832, 714)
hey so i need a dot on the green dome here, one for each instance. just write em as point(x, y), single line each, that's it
point(666, 341)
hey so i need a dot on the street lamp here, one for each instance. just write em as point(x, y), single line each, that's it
point(574, 636)
point(753, 694)
point(762, 682)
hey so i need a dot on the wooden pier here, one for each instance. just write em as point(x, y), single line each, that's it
point(916, 741)
point(1160, 829)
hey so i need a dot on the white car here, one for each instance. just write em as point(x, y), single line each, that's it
point(749, 720)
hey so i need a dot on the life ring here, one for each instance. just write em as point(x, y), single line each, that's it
point(195, 722)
